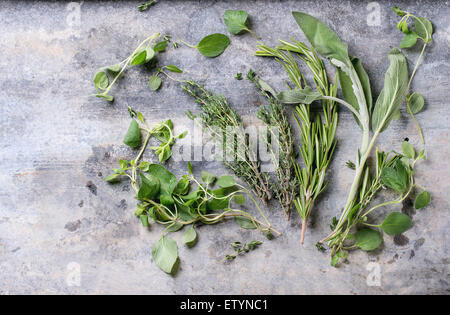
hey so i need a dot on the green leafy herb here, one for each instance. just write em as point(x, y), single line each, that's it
point(133, 135)
point(368, 239)
point(189, 237)
point(237, 21)
point(240, 249)
point(396, 223)
point(212, 45)
point(422, 200)
point(144, 6)
point(155, 82)
point(238, 76)
point(173, 68)
point(165, 254)
point(226, 181)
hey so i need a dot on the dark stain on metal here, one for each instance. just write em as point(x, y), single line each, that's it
point(92, 188)
point(401, 240)
point(73, 226)
point(419, 243)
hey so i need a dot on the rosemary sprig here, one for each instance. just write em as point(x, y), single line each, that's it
point(223, 123)
point(317, 138)
point(280, 143)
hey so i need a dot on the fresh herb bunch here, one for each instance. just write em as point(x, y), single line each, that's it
point(218, 118)
point(356, 91)
point(317, 138)
point(144, 54)
point(283, 155)
point(240, 249)
point(423, 30)
point(166, 200)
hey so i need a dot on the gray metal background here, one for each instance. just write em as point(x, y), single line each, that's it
point(55, 139)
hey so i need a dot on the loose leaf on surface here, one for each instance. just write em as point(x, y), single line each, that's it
point(422, 200)
point(213, 45)
point(154, 82)
point(133, 135)
point(189, 237)
point(236, 21)
point(396, 223)
point(368, 239)
point(165, 254)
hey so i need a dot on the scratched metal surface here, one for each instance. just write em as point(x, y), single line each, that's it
point(56, 143)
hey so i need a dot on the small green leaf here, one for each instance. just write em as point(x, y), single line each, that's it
point(182, 187)
point(213, 45)
point(139, 58)
point(182, 135)
point(133, 135)
point(106, 97)
point(408, 40)
point(245, 223)
point(144, 219)
point(114, 68)
point(173, 68)
point(190, 115)
point(167, 180)
point(165, 254)
point(101, 80)
point(368, 239)
point(395, 177)
point(140, 117)
point(189, 165)
point(124, 163)
point(226, 181)
point(236, 21)
point(398, 11)
point(408, 150)
point(189, 237)
point(416, 102)
point(422, 200)
point(155, 82)
point(160, 46)
point(423, 28)
point(144, 166)
point(396, 223)
point(208, 178)
point(239, 199)
point(114, 178)
point(298, 96)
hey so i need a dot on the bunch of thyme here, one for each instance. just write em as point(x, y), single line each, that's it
point(317, 137)
point(223, 123)
point(280, 143)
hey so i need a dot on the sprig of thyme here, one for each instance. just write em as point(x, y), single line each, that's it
point(240, 249)
point(223, 123)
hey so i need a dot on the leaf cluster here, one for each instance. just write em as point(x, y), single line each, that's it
point(240, 249)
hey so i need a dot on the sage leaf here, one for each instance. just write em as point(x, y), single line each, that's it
point(396, 223)
point(422, 200)
point(226, 181)
point(101, 80)
point(409, 40)
point(395, 177)
point(150, 187)
point(133, 135)
point(189, 237)
point(165, 254)
point(208, 178)
point(236, 21)
point(322, 38)
point(298, 96)
point(154, 82)
point(213, 45)
point(173, 68)
point(245, 223)
point(408, 150)
point(416, 102)
point(423, 28)
point(368, 239)
point(391, 96)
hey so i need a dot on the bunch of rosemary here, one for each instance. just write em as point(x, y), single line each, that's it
point(280, 143)
point(317, 137)
point(223, 123)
